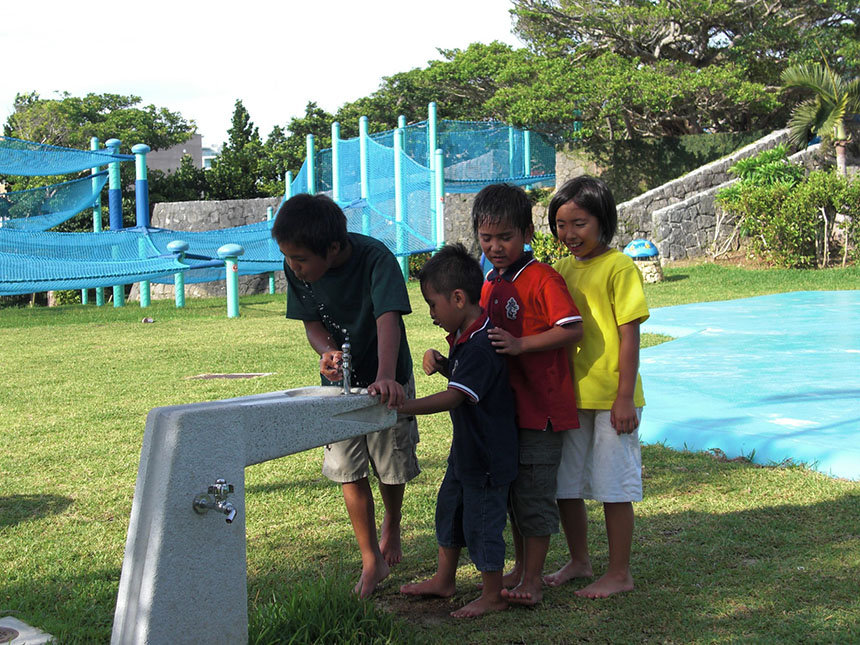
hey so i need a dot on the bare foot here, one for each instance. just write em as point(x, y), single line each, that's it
point(432, 587)
point(480, 606)
point(569, 571)
point(370, 578)
point(389, 543)
point(510, 579)
point(606, 586)
point(524, 594)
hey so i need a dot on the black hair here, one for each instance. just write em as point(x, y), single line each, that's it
point(591, 194)
point(450, 268)
point(314, 222)
point(502, 204)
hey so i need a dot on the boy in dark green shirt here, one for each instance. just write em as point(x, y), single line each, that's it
point(348, 287)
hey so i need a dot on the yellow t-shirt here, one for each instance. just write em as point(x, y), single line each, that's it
point(608, 292)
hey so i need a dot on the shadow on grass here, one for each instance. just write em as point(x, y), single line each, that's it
point(676, 277)
point(15, 509)
point(764, 574)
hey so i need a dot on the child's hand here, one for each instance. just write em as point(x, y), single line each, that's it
point(433, 362)
point(389, 391)
point(505, 342)
point(331, 365)
point(623, 416)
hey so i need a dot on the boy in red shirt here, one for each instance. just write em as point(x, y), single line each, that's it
point(535, 321)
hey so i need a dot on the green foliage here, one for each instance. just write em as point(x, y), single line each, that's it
point(787, 218)
point(416, 263)
point(235, 174)
point(320, 612)
point(186, 183)
point(71, 121)
point(547, 248)
point(632, 167)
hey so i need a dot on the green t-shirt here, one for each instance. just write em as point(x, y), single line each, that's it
point(348, 299)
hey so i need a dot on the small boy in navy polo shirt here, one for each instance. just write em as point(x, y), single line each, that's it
point(471, 507)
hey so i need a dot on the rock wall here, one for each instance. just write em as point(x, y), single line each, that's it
point(680, 217)
point(210, 216)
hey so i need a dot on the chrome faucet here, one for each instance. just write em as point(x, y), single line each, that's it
point(347, 368)
point(219, 491)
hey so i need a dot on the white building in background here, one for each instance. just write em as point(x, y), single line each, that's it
point(169, 159)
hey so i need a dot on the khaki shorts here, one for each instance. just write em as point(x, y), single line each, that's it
point(598, 463)
point(532, 496)
point(391, 453)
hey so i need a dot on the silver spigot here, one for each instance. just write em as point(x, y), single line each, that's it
point(215, 499)
point(347, 368)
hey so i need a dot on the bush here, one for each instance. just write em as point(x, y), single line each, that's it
point(548, 249)
point(788, 219)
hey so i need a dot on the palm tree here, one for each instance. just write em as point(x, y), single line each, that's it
point(826, 113)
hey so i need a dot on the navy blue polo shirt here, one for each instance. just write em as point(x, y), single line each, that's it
point(484, 446)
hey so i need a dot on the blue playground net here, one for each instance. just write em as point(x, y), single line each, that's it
point(39, 209)
point(402, 214)
point(30, 159)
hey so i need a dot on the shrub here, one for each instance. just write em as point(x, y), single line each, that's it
point(548, 249)
point(788, 219)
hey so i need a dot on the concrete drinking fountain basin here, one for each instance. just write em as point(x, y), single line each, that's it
point(184, 575)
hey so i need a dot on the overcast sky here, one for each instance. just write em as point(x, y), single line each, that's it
point(198, 58)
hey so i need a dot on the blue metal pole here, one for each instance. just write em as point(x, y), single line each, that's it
point(510, 151)
point(527, 155)
point(335, 161)
point(270, 213)
point(115, 210)
point(431, 156)
point(179, 247)
point(97, 225)
point(363, 166)
point(230, 254)
point(401, 241)
point(141, 200)
point(440, 202)
point(288, 185)
point(312, 166)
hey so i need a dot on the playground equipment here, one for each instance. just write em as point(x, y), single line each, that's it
point(184, 575)
point(390, 185)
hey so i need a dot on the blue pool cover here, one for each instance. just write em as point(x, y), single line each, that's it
point(775, 378)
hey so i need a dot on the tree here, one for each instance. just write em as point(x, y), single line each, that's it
point(652, 67)
point(235, 174)
point(826, 113)
point(71, 121)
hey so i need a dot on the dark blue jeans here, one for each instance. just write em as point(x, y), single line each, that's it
point(474, 517)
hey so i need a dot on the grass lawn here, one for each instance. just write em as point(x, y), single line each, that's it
point(723, 551)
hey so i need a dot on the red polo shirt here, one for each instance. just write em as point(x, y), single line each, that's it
point(529, 298)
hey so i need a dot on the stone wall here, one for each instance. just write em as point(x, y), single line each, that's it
point(695, 226)
point(680, 217)
point(210, 216)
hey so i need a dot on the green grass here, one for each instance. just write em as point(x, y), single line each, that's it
point(723, 551)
